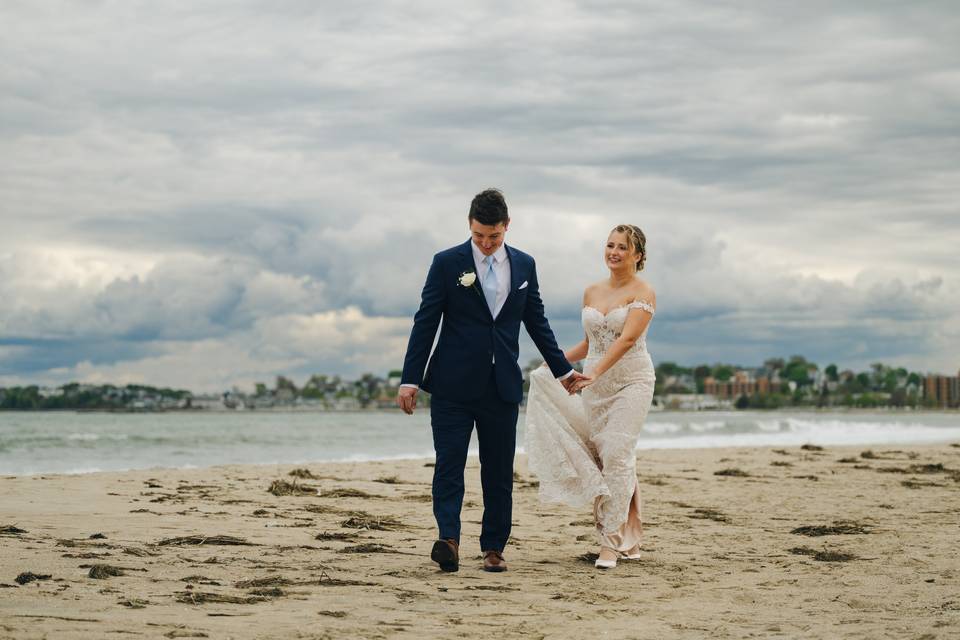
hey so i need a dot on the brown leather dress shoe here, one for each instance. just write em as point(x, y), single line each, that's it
point(446, 553)
point(493, 561)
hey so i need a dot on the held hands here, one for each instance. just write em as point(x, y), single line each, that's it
point(576, 382)
point(407, 399)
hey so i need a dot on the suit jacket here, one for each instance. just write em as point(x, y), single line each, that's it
point(471, 340)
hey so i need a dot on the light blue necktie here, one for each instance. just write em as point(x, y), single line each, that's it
point(490, 286)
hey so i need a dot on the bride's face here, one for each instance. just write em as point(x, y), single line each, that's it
point(619, 254)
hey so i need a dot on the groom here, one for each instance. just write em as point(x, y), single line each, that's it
point(483, 290)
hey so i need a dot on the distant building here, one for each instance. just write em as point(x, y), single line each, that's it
point(943, 390)
point(742, 384)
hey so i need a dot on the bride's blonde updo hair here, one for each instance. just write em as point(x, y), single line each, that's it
point(637, 239)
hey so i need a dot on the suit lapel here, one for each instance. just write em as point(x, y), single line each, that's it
point(466, 265)
point(515, 276)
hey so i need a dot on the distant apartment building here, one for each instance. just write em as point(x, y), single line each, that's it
point(943, 390)
point(741, 384)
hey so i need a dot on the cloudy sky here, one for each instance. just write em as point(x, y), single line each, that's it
point(201, 194)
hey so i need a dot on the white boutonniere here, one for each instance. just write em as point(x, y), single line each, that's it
point(467, 278)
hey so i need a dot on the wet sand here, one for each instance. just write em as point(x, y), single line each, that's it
point(798, 543)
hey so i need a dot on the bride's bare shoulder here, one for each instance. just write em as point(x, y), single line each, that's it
point(592, 289)
point(643, 290)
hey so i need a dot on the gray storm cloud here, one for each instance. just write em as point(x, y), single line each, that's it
point(218, 192)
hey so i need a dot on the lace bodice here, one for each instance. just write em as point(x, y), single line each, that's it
point(603, 329)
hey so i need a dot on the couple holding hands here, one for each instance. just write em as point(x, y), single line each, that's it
point(580, 445)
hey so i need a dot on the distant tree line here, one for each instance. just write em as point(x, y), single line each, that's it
point(76, 396)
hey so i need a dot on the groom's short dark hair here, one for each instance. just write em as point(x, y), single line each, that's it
point(489, 207)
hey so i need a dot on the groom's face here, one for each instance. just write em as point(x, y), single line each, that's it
point(488, 238)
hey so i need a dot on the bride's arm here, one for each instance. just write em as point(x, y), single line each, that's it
point(633, 328)
point(577, 352)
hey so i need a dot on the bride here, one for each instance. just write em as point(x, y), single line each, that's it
point(582, 447)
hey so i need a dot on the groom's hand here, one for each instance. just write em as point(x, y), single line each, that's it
point(569, 383)
point(407, 399)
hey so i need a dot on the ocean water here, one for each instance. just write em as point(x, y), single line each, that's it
point(66, 442)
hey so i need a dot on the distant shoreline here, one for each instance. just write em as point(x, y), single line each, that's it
point(843, 410)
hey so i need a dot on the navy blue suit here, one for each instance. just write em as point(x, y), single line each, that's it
point(474, 379)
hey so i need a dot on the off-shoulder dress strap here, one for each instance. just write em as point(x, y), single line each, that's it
point(642, 304)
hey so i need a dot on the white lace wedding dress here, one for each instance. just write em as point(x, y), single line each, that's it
point(582, 448)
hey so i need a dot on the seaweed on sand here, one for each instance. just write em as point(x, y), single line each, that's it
point(838, 528)
point(342, 536)
point(709, 514)
point(208, 540)
point(11, 530)
point(362, 520)
point(388, 480)
point(104, 571)
point(200, 580)
point(280, 581)
point(284, 488)
point(823, 556)
point(28, 576)
point(134, 603)
point(346, 492)
point(812, 447)
point(737, 473)
point(259, 583)
point(203, 597)
point(368, 547)
point(303, 474)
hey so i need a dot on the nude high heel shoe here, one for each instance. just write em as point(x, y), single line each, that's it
point(606, 564)
point(632, 554)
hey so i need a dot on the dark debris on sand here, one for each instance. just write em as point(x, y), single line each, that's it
point(812, 447)
point(361, 520)
point(346, 492)
point(280, 581)
point(838, 528)
point(733, 472)
point(342, 536)
point(11, 530)
point(257, 583)
point(388, 480)
point(133, 603)
point(823, 556)
point(708, 514)
point(203, 597)
point(208, 540)
point(368, 547)
point(303, 474)
point(200, 580)
point(140, 553)
point(28, 576)
point(104, 571)
point(284, 488)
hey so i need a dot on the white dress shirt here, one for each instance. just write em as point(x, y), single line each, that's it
point(501, 267)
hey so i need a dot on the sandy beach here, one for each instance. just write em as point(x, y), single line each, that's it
point(778, 543)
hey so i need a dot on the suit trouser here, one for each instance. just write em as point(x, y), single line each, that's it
point(496, 423)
